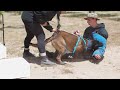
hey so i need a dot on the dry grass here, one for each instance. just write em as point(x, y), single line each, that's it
point(15, 34)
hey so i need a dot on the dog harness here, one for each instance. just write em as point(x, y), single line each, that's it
point(77, 43)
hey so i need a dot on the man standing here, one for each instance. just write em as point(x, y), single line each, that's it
point(33, 21)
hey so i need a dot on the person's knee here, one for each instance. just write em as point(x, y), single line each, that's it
point(41, 43)
point(41, 39)
point(41, 36)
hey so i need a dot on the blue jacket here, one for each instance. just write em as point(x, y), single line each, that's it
point(100, 39)
point(88, 34)
point(100, 29)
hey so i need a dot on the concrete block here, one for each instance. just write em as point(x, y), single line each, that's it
point(3, 51)
point(14, 68)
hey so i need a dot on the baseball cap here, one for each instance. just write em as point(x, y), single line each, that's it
point(92, 15)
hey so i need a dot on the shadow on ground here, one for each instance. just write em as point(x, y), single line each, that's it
point(51, 56)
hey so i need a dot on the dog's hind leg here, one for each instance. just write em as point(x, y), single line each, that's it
point(34, 45)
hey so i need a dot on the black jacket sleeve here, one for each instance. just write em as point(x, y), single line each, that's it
point(43, 16)
point(39, 17)
point(103, 33)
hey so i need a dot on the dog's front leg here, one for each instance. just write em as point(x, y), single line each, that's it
point(59, 60)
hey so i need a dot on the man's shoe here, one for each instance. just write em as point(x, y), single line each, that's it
point(27, 54)
point(46, 61)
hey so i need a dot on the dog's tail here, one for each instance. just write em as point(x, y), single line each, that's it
point(34, 45)
point(47, 40)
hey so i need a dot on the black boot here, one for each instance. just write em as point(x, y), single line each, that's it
point(26, 53)
point(46, 61)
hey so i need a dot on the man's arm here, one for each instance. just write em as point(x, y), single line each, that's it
point(49, 27)
point(103, 33)
point(42, 18)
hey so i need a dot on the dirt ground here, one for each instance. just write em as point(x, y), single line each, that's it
point(109, 68)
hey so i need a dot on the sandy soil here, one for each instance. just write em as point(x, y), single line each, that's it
point(109, 68)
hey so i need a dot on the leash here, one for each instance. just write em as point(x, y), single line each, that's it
point(84, 43)
point(77, 43)
point(58, 20)
point(74, 50)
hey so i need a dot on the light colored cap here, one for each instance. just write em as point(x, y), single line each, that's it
point(92, 15)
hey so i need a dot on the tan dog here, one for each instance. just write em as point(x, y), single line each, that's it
point(63, 41)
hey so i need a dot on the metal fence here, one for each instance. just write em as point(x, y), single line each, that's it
point(2, 39)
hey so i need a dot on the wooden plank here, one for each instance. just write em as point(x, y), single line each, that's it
point(3, 51)
point(14, 68)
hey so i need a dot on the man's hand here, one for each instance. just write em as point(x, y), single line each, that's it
point(45, 24)
point(76, 32)
point(54, 30)
point(98, 57)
